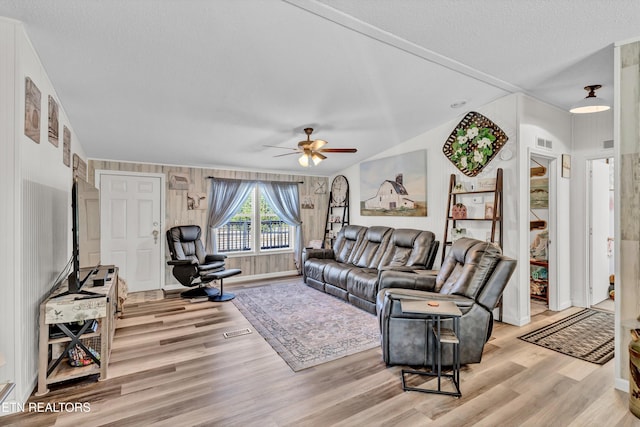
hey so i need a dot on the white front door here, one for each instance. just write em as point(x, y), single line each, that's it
point(600, 212)
point(130, 206)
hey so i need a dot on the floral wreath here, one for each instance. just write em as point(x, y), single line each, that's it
point(473, 147)
point(473, 143)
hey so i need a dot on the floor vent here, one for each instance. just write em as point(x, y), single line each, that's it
point(237, 333)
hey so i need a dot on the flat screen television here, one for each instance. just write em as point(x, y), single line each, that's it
point(85, 226)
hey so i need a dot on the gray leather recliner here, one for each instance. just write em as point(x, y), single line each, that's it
point(473, 276)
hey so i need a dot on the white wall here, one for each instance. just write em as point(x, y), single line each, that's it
point(589, 133)
point(439, 168)
point(38, 223)
point(540, 120)
point(523, 119)
point(8, 211)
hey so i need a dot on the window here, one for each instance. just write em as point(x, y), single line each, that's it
point(240, 235)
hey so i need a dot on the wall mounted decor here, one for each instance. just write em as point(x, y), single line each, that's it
point(320, 186)
point(196, 200)
point(474, 143)
point(54, 124)
point(307, 201)
point(32, 98)
point(394, 186)
point(566, 166)
point(66, 146)
point(178, 181)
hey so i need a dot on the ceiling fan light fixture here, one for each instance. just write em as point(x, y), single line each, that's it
point(310, 158)
point(316, 158)
point(590, 104)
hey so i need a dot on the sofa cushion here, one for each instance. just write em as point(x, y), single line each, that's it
point(374, 243)
point(409, 247)
point(363, 283)
point(336, 274)
point(314, 268)
point(347, 241)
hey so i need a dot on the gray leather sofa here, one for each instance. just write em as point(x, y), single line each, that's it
point(473, 276)
point(350, 269)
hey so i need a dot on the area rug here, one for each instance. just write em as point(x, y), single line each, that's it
point(305, 326)
point(586, 335)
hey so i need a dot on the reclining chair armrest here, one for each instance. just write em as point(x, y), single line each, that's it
point(214, 257)
point(460, 300)
point(181, 262)
point(211, 267)
point(318, 253)
point(422, 280)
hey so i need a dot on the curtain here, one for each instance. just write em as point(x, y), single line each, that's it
point(284, 199)
point(225, 199)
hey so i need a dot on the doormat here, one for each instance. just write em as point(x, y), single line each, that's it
point(586, 335)
point(305, 326)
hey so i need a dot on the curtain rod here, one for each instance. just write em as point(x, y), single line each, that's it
point(286, 182)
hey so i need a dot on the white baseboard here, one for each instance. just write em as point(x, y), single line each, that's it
point(622, 385)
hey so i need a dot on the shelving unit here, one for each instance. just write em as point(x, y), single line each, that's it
point(61, 310)
point(543, 283)
point(337, 211)
point(495, 220)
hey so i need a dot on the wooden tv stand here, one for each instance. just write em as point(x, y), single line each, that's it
point(53, 365)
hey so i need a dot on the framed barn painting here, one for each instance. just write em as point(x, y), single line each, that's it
point(394, 186)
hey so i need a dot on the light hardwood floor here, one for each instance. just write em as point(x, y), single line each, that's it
point(171, 366)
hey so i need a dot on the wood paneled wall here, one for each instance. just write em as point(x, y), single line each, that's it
point(176, 212)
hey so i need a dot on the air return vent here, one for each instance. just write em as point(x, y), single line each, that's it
point(544, 143)
point(607, 144)
point(237, 333)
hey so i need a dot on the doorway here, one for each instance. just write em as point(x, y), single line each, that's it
point(601, 231)
point(539, 224)
point(131, 209)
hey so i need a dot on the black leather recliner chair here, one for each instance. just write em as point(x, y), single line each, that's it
point(473, 276)
point(193, 267)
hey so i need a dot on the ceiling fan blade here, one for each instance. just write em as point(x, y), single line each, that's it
point(287, 154)
point(318, 154)
point(317, 144)
point(338, 150)
point(282, 148)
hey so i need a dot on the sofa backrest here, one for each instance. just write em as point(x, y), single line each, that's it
point(492, 291)
point(411, 248)
point(372, 248)
point(467, 267)
point(348, 239)
point(185, 244)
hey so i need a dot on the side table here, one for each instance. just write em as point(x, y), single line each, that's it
point(437, 313)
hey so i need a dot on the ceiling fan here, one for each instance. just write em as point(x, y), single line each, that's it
point(312, 150)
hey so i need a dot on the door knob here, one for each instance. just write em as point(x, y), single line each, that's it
point(155, 236)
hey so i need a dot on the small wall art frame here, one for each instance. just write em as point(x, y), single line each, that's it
point(32, 99)
point(54, 124)
point(566, 166)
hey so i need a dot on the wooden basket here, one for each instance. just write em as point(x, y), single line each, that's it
point(482, 122)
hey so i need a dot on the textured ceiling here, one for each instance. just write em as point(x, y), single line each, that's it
point(209, 83)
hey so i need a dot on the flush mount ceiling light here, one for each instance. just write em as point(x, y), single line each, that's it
point(590, 104)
